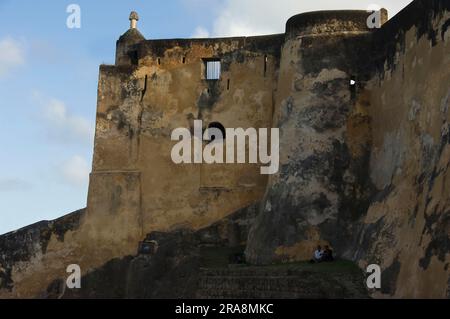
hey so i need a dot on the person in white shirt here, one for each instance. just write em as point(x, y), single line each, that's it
point(318, 254)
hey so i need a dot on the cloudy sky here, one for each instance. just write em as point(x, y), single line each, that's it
point(48, 83)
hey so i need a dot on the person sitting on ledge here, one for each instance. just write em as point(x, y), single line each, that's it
point(327, 254)
point(318, 254)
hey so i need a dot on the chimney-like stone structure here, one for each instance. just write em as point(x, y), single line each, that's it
point(126, 46)
point(134, 18)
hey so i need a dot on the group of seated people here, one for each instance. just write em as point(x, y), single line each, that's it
point(322, 255)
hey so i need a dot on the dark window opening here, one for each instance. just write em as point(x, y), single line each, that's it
point(213, 69)
point(218, 126)
point(228, 84)
point(184, 60)
point(159, 61)
point(134, 57)
point(265, 64)
point(353, 85)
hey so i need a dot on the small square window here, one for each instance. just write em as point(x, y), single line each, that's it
point(213, 70)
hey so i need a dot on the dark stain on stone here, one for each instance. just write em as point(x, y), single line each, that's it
point(382, 195)
point(6, 281)
point(413, 216)
point(445, 139)
point(210, 96)
point(324, 116)
point(122, 123)
point(239, 57)
point(55, 290)
point(123, 93)
point(436, 226)
point(328, 89)
point(119, 118)
point(366, 235)
point(432, 178)
point(67, 223)
point(389, 277)
point(444, 29)
point(420, 179)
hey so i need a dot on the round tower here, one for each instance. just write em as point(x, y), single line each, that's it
point(320, 187)
point(331, 22)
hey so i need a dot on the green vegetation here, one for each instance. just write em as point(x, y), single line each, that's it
point(219, 257)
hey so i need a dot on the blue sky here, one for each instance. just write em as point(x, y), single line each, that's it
point(48, 83)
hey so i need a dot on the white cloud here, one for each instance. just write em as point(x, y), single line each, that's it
point(75, 171)
point(255, 17)
point(14, 185)
point(12, 55)
point(200, 32)
point(61, 124)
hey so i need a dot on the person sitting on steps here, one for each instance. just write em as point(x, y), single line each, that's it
point(322, 255)
point(317, 258)
point(327, 254)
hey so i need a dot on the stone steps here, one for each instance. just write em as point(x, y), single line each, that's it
point(263, 283)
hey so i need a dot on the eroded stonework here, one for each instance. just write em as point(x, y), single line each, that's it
point(364, 156)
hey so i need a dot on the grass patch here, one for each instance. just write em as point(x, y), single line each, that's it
point(218, 257)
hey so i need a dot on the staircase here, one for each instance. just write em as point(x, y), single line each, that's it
point(332, 280)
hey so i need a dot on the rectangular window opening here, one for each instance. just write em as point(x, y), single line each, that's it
point(265, 65)
point(353, 86)
point(134, 57)
point(213, 69)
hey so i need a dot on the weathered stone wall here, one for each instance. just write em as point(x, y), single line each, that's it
point(322, 188)
point(365, 168)
point(407, 226)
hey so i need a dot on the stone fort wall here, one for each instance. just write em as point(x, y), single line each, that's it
point(363, 157)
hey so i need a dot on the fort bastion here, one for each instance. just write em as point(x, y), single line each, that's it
point(363, 115)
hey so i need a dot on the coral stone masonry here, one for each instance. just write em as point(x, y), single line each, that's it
point(364, 152)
